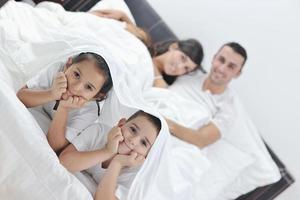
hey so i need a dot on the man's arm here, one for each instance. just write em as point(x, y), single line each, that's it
point(202, 137)
point(75, 161)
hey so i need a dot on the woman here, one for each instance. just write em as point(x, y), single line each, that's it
point(170, 58)
point(175, 58)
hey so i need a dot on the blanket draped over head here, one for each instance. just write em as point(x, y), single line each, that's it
point(34, 38)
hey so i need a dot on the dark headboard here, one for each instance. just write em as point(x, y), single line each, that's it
point(146, 18)
point(144, 15)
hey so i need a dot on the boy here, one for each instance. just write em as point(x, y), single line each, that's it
point(113, 160)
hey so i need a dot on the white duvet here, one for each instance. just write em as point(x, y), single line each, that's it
point(33, 38)
point(239, 161)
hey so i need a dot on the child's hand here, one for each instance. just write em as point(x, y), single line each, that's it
point(114, 137)
point(72, 102)
point(59, 86)
point(132, 160)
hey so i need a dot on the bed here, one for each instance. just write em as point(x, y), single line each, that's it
point(159, 32)
point(146, 17)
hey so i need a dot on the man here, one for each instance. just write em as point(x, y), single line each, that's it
point(227, 65)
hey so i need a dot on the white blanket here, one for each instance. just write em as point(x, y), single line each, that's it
point(239, 161)
point(33, 38)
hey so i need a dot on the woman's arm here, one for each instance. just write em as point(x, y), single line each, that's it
point(130, 26)
point(75, 161)
point(112, 14)
point(202, 137)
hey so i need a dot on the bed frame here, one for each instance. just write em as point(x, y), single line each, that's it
point(147, 18)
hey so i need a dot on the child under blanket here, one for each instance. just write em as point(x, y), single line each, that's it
point(112, 161)
point(63, 92)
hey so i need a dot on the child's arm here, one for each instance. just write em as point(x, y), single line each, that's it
point(32, 98)
point(56, 133)
point(75, 160)
point(107, 187)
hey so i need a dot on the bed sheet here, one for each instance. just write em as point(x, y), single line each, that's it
point(33, 38)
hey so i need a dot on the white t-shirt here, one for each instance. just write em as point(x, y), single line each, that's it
point(95, 137)
point(219, 106)
point(78, 119)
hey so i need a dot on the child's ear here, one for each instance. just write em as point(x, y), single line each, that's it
point(173, 46)
point(121, 122)
point(68, 63)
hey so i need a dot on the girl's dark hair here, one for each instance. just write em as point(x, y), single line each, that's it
point(190, 47)
point(102, 65)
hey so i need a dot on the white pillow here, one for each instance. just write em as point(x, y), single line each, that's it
point(113, 4)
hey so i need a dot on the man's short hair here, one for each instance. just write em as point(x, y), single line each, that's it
point(152, 119)
point(237, 48)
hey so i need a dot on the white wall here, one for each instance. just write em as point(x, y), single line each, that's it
point(270, 31)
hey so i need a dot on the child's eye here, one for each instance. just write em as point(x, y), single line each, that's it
point(88, 87)
point(76, 75)
point(144, 143)
point(186, 69)
point(183, 58)
point(133, 130)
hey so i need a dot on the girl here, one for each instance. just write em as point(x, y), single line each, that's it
point(63, 93)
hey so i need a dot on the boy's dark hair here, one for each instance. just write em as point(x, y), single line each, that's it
point(154, 120)
point(102, 65)
point(190, 47)
point(237, 48)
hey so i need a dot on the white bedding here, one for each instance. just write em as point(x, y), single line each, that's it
point(33, 38)
point(239, 161)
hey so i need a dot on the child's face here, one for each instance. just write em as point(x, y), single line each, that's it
point(139, 135)
point(84, 79)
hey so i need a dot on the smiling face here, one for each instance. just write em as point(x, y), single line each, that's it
point(139, 135)
point(176, 63)
point(226, 65)
point(84, 79)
